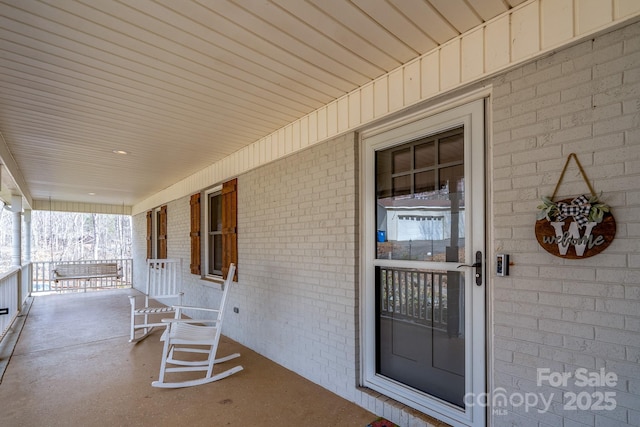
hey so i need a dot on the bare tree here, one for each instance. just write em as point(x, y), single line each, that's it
point(70, 236)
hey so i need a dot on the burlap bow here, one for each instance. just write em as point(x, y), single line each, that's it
point(579, 209)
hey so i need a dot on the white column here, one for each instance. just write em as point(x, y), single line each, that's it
point(26, 217)
point(16, 244)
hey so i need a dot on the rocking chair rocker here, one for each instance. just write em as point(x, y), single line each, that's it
point(195, 336)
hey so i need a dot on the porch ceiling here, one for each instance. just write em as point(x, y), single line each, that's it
point(179, 85)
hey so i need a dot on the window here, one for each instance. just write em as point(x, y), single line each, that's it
point(157, 233)
point(211, 256)
point(213, 248)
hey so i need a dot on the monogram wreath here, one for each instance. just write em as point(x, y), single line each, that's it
point(582, 209)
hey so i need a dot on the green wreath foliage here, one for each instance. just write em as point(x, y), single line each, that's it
point(549, 209)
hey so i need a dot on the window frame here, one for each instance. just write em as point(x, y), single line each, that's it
point(200, 229)
point(207, 220)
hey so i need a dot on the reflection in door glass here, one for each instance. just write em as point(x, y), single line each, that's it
point(420, 199)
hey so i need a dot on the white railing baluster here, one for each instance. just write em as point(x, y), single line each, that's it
point(9, 304)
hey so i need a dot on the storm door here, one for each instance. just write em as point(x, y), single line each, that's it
point(423, 238)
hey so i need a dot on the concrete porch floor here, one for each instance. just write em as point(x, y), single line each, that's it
point(73, 366)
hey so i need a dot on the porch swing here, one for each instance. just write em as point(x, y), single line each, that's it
point(81, 270)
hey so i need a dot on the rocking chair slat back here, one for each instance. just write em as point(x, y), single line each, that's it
point(164, 285)
point(163, 278)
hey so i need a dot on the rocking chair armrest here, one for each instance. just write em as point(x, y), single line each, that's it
point(195, 321)
point(188, 307)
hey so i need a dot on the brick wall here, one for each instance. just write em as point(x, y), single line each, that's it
point(297, 263)
point(568, 314)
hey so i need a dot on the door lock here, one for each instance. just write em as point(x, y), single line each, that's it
point(478, 266)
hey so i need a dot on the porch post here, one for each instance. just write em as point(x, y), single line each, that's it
point(16, 244)
point(26, 217)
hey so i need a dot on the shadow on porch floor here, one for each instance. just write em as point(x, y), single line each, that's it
point(73, 366)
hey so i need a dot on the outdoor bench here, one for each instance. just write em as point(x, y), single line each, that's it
point(86, 271)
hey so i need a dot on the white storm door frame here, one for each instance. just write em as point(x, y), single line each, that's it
point(472, 116)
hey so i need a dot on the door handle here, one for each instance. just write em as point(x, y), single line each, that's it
point(478, 266)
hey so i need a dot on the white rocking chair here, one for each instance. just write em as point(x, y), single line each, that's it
point(195, 336)
point(163, 284)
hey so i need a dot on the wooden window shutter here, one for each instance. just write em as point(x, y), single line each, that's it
point(149, 234)
point(195, 234)
point(230, 226)
point(162, 232)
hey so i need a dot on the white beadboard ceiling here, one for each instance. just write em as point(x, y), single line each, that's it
point(181, 84)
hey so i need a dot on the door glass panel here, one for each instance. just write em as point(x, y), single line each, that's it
point(401, 160)
point(402, 185)
point(451, 149)
point(425, 155)
point(452, 179)
point(420, 339)
point(420, 212)
point(425, 181)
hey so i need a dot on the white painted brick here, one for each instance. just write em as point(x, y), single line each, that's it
point(516, 320)
point(564, 108)
point(524, 283)
point(540, 128)
point(568, 134)
point(540, 155)
point(596, 348)
point(571, 423)
point(514, 121)
point(567, 328)
point(568, 273)
point(616, 124)
point(547, 73)
point(617, 65)
point(569, 357)
point(571, 301)
point(517, 346)
point(596, 143)
point(608, 320)
point(602, 420)
point(608, 85)
point(593, 289)
point(512, 97)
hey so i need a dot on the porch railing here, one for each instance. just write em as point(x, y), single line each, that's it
point(414, 296)
point(9, 298)
point(43, 280)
